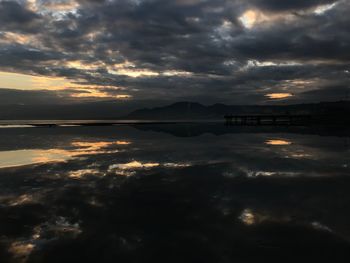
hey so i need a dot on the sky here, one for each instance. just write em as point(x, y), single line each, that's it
point(208, 51)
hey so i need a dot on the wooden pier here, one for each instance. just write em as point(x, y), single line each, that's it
point(282, 119)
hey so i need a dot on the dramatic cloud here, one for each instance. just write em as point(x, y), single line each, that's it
point(230, 51)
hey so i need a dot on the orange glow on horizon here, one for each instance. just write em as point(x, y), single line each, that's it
point(98, 94)
point(19, 81)
point(278, 95)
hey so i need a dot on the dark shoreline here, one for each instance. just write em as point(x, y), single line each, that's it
point(80, 123)
point(323, 122)
point(180, 128)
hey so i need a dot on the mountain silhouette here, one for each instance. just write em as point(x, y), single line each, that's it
point(193, 110)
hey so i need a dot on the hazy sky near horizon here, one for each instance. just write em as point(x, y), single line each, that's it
point(230, 51)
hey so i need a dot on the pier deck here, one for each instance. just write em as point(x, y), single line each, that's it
point(255, 119)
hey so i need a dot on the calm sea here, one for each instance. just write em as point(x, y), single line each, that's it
point(164, 192)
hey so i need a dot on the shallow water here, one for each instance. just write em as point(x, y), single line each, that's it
point(174, 193)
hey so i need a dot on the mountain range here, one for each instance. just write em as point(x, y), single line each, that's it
point(176, 111)
point(192, 110)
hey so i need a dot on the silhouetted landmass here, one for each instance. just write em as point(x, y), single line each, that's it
point(190, 110)
point(334, 111)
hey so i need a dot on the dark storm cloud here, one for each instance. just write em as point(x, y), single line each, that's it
point(13, 12)
point(16, 17)
point(331, 92)
point(17, 54)
point(198, 48)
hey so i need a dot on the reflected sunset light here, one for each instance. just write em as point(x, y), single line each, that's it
point(37, 156)
point(278, 142)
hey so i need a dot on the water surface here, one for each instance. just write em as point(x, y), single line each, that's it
point(174, 193)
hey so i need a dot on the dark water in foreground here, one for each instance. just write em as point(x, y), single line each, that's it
point(174, 193)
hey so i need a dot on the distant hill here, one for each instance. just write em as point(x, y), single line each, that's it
point(192, 110)
point(176, 111)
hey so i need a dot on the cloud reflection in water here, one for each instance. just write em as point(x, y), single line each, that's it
point(207, 198)
point(278, 142)
point(37, 156)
